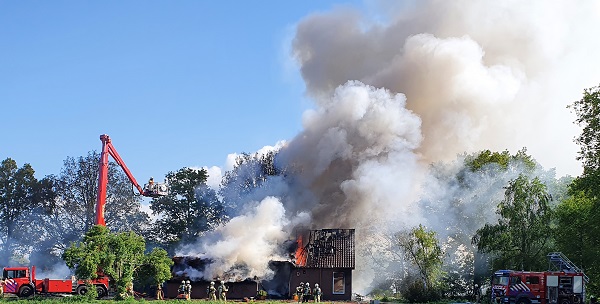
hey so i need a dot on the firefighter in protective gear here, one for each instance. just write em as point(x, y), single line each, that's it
point(181, 289)
point(306, 292)
point(2, 287)
point(317, 293)
point(130, 289)
point(149, 188)
point(477, 293)
point(222, 289)
point(212, 292)
point(160, 295)
point(188, 290)
point(300, 291)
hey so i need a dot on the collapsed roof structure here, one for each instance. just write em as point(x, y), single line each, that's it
point(325, 257)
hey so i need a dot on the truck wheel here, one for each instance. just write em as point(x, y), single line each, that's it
point(565, 301)
point(523, 301)
point(25, 291)
point(82, 290)
point(101, 291)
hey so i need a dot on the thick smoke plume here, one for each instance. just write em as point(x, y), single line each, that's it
point(480, 74)
point(421, 84)
point(244, 246)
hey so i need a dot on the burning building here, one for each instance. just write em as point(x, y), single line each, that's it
point(185, 269)
point(325, 257)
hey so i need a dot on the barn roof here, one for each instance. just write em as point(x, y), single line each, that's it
point(329, 248)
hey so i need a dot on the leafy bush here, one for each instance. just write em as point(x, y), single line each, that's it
point(415, 292)
point(261, 293)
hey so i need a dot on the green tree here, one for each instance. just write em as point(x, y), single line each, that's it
point(156, 268)
point(462, 196)
point(74, 210)
point(572, 217)
point(584, 206)
point(521, 237)
point(190, 209)
point(119, 255)
point(503, 159)
point(575, 234)
point(21, 196)
point(77, 187)
point(422, 249)
point(250, 172)
point(587, 110)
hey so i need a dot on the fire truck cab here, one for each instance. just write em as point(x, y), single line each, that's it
point(526, 287)
point(559, 286)
point(22, 282)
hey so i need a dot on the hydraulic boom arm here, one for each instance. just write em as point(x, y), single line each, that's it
point(109, 149)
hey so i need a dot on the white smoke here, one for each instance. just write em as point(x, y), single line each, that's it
point(427, 81)
point(243, 247)
point(479, 74)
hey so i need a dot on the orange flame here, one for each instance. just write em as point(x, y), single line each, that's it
point(300, 252)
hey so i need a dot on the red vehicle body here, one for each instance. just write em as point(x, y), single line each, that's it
point(22, 282)
point(565, 285)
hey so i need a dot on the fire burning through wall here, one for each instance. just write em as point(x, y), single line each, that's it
point(324, 254)
point(301, 253)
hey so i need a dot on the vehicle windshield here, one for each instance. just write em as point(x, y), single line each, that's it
point(497, 280)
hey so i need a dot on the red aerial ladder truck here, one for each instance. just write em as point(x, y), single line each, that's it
point(150, 190)
point(22, 281)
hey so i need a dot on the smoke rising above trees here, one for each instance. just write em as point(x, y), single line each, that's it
point(407, 111)
point(479, 74)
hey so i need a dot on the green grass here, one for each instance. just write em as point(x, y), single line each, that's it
point(82, 300)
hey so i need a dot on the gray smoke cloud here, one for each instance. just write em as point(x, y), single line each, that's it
point(480, 74)
point(422, 83)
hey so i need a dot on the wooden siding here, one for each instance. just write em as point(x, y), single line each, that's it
point(323, 277)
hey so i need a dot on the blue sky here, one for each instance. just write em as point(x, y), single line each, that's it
point(174, 83)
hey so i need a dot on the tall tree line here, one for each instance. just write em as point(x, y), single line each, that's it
point(39, 219)
point(531, 212)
